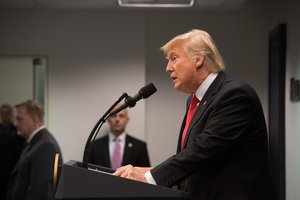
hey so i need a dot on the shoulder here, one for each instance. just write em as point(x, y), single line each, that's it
point(100, 143)
point(45, 135)
point(229, 86)
point(232, 93)
point(45, 140)
point(231, 82)
point(130, 138)
point(100, 140)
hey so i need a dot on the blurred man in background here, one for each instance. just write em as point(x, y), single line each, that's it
point(11, 145)
point(31, 179)
point(118, 148)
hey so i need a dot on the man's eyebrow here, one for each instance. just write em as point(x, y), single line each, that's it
point(170, 54)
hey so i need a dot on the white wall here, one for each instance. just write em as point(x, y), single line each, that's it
point(292, 109)
point(10, 80)
point(91, 60)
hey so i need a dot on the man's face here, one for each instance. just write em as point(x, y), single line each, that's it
point(25, 124)
point(6, 115)
point(182, 69)
point(118, 122)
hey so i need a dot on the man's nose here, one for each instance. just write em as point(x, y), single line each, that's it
point(169, 67)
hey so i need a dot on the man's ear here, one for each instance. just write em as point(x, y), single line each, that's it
point(199, 60)
point(36, 120)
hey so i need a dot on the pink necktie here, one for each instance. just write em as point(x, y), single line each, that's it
point(190, 114)
point(116, 158)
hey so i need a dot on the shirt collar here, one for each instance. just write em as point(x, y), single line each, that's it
point(112, 136)
point(34, 133)
point(205, 85)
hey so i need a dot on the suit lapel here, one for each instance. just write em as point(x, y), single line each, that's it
point(126, 150)
point(205, 102)
point(105, 151)
point(27, 148)
point(183, 124)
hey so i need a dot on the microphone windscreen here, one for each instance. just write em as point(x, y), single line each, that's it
point(147, 90)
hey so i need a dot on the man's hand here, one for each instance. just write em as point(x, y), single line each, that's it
point(134, 173)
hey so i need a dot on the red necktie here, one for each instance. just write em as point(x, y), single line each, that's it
point(190, 114)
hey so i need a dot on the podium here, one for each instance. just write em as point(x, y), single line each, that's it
point(97, 182)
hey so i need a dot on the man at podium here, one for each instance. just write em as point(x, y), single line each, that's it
point(222, 150)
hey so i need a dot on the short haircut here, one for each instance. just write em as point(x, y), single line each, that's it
point(34, 108)
point(6, 106)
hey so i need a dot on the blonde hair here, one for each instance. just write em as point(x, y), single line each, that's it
point(196, 42)
point(34, 109)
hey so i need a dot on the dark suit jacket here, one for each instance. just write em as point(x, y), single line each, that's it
point(225, 153)
point(11, 146)
point(31, 179)
point(135, 152)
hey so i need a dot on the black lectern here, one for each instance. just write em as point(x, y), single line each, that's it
point(96, 182)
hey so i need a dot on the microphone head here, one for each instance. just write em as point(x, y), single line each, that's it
point(147, 90)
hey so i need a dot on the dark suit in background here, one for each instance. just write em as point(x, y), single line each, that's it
point(135, 152)
point(32, 177)
point(11, 146)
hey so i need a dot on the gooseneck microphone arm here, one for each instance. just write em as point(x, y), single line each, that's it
point(143, 93)
point(96, 129)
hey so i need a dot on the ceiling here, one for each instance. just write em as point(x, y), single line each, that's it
point(111, 4)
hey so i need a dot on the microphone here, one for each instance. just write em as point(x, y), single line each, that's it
point(143, 93)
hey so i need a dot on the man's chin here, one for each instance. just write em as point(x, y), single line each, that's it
point(20, 134)
point(118, 130)
point(176, 86)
